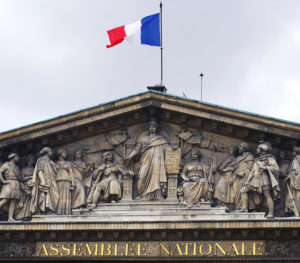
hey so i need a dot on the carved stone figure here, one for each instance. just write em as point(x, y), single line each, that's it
point(108, 181)
point(197, 180)
point(26, 174)
point(45, 194)
point(243, 166)
point(223, 189)
point(10, 190)
point(65, 182)
point(284, 165)
point(293, 184)
point(83, 177)
point(262, 179)
point(152, 179)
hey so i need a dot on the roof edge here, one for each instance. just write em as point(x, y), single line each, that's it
point(147, 94)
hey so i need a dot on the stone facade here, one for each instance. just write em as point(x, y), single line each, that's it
point(151, 176)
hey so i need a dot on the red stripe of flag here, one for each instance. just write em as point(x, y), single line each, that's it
point(116, 36)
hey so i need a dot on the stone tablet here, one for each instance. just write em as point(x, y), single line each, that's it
point(173, 160)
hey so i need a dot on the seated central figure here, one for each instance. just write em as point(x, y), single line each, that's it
point(196, 185)
point(107, 182)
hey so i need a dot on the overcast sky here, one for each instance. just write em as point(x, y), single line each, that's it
point(53, 56)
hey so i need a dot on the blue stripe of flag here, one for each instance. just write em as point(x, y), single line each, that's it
point(150, 31)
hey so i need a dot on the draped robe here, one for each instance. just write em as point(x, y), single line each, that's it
point(79, 193)
point(294, 174)
point(240, 173)
point(223, 187)
point(198, 186)
point(263, 176)
point(45, 196)
point(152, 164)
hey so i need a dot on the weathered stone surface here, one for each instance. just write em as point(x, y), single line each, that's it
point(127, 171)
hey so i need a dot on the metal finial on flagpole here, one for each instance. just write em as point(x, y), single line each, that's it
point(160, 87)
point(201, 76)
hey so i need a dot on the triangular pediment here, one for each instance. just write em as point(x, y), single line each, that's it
point(120, 114)
point(151, 168)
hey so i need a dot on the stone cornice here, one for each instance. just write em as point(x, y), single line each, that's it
point(282, 223)
point(137, 102)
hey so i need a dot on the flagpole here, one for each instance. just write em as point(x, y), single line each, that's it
point(160, 87)
point(161, 47)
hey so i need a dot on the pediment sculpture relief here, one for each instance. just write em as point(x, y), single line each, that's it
point(152, 177)
point(147, 163)
point(108, 181)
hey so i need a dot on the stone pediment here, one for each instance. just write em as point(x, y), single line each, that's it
point(151, 166)
point(122, 127)
point(120, 114)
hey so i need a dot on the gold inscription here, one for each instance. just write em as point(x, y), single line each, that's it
point(243, 250)
point(233, 250)
point(77, 249)
point(257, 248)
point(205, 249)
point(141, 249)
point(129, 249)
point(186, 245)
point(54, 249)
point(42, 251)
point(91, 251)
point(218, 247)
point(105, 249)
point(66, 251)
point(151, 249)
point(164, 248)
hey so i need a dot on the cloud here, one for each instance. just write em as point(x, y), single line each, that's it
point(273, 81)
point(54, 60)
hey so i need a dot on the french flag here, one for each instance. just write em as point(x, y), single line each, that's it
point(145, 31)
